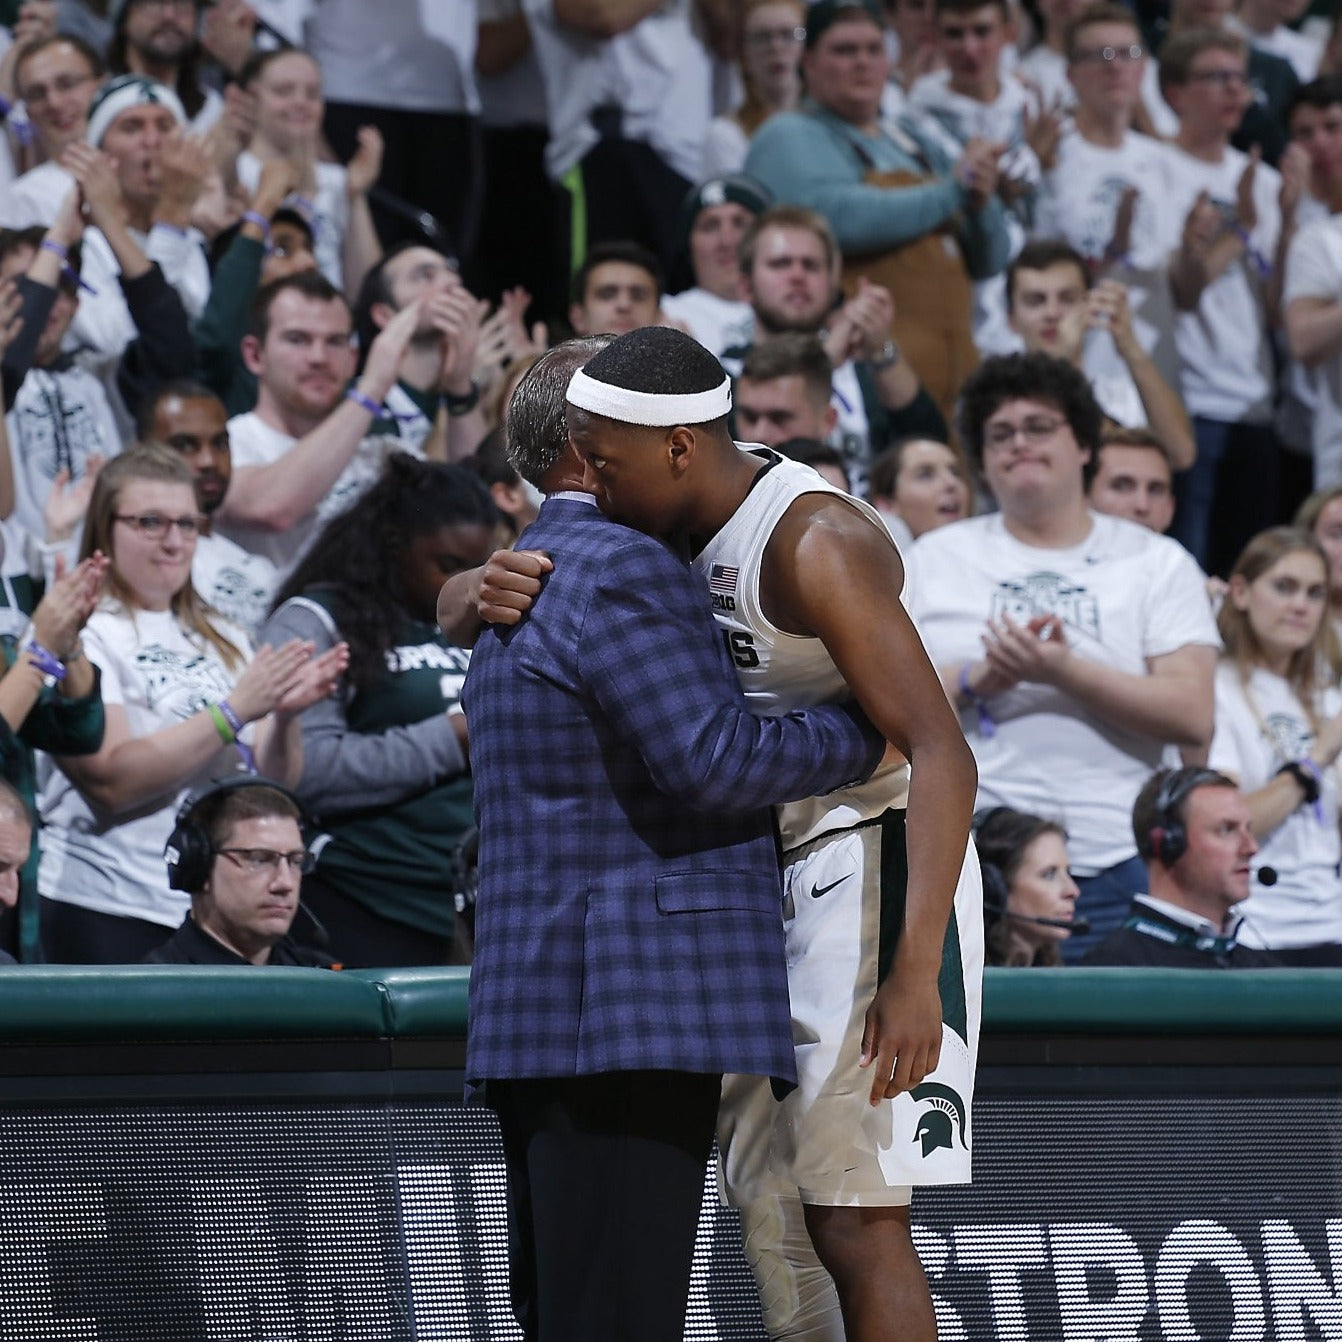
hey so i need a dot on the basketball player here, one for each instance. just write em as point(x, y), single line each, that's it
point(884, 936)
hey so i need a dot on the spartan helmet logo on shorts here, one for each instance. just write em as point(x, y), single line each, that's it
point(935, 1123)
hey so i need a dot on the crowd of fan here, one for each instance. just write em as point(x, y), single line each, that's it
point(1043, 284)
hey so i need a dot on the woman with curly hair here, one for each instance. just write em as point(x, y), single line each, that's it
point(385, 765)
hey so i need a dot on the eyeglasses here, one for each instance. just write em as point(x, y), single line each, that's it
point(766, 37)
point(256, 860)
point(36, 95)
point(1226, 79)
point(1033, 430)
point(156, 526)
point(1108, 54)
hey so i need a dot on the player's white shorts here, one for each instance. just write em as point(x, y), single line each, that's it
point(843, 907)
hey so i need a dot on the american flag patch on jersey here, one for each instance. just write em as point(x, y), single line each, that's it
point(722, 578)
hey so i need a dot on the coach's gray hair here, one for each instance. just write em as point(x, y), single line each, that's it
point(537, 429)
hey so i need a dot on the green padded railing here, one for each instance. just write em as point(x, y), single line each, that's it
point(51, 1003)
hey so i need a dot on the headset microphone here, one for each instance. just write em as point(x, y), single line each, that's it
point(1079, 926)
point(1267, 875)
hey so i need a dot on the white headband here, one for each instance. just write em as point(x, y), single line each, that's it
point(659, 410)
point(134, 92)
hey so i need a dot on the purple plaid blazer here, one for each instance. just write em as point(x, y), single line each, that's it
point(629, 906)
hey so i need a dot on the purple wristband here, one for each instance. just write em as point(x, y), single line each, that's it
point(55, 248)
point(235, 722)
point(47, 662)
point(987, 727)
point(364, 402)
point(257, 218)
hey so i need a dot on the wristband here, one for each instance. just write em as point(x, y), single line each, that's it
point(987, 727)
point(462, 405)
point(55, 248)
point(230, 717)
point(1260, 262)
point(228, 714)
point(221, 725)
point(364, 402)
point(47, 662)
point(887, 358)
point(1310, 780)
point(259, 219)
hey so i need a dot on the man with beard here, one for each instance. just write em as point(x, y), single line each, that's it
point(433, 408)
point(158, 40)
point(307, 451)
point(789, 259)
point(191, 419)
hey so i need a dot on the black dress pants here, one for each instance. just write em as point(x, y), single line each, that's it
point(605, 1181)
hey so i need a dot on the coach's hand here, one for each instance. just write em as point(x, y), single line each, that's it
point(901, 1041)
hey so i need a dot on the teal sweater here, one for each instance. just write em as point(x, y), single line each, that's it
point(813, 158)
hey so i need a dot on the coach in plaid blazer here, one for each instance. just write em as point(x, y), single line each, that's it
point(629, 944)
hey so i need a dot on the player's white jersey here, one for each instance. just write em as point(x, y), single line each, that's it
point(781, 671)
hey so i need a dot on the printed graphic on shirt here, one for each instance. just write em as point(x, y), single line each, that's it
point(1045, 593)
point(452, 662)
point(58, 430)
point(235, 594)
point(1096, 222)
point(1289, 735)
point(179, 683)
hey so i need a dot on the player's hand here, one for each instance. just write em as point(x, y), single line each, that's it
point(509, 583)
point(901, 1040)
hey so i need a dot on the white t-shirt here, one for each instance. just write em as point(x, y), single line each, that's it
point(1119, 397)
point(413, 54)
point(1164, 120)
point(1047, 69)
point(160, 676)
point(59, 420)
point(1223, 344)
point(1314, 270)
point(36, 197)
point(1123, 595)
point(255, 443)
point(725, 147)
point(955, 120)
point(327, 213)
point(658, 73)
point(516, 96)
point(716, 323)
point(1078, 202)
point(1255, 735)
point(239, 585)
